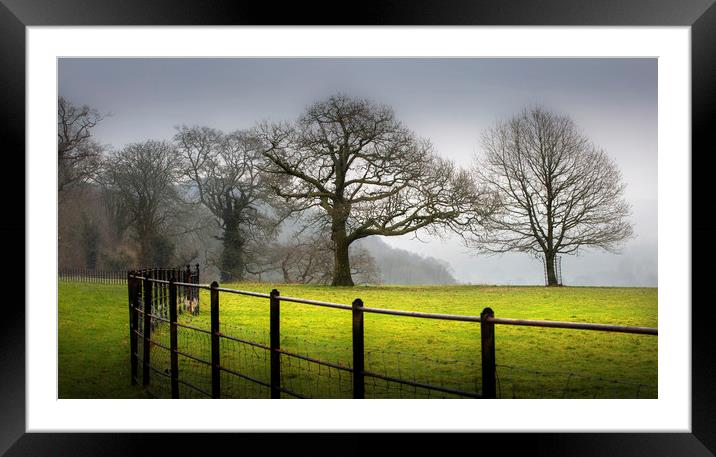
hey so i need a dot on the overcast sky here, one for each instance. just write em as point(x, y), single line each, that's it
point(449, 101)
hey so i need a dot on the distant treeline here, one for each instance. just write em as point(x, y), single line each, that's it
point(398, 266)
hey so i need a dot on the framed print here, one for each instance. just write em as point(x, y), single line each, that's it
point(209, 92)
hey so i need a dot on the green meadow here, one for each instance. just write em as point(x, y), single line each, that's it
point(93, 338)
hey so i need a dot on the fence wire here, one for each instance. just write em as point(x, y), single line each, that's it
point(323, 369)
point(449, 378)
point(316, 370)
point(306, 370)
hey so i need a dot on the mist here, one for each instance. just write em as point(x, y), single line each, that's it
point(448, 101)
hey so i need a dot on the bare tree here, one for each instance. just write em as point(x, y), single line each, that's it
point(222, 169)
point(557, 191)
point(368, 173)
point(142, 177)
point(78, 154)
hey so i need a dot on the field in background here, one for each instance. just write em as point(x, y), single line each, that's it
point(532, 362)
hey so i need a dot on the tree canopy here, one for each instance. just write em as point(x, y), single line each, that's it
point(78, 154)
point(368, 173)
point(222, 171)
point(557, 191)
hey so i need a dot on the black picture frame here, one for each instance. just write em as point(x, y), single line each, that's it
point(700, 15)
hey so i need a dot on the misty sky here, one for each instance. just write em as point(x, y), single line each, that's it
point(449, 101)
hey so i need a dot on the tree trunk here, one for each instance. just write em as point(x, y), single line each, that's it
point(342, 266)
point(146, 251)
point(551, 275)
point(286, 273)
point(232, 256)
point(341, 261)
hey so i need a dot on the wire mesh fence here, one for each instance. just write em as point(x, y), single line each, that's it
point(447, 378)
point(237, 359)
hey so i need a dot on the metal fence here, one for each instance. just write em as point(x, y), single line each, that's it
point(213, 362)
point(93, 276)
point(187, 297)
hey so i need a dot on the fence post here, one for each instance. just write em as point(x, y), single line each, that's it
point(215, 354)
point(177, 274)
point(165, 304)
point(169, 274)
point(133, 287)
point(182, 296)
point(358, 350)
point(275, 329)
point(147, 299)
point(196, 291)
point(187, 279)
point(173, 343)
point(129, 295)
point(161, 305)
point(487, 333)
point(160, 292)
point(157, 288)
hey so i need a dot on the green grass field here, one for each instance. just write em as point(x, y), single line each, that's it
point(532, 362)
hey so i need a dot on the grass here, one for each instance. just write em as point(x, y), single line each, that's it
point(532, 362)
point(93, 342)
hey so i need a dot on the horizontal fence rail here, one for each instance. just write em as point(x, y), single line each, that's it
point(576, 326)
point(158, 296)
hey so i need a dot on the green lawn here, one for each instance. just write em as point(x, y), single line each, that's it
point(93, 342)
point(532, 362)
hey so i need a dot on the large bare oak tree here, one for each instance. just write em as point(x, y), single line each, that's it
point(368, 173)
point(558, 192)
